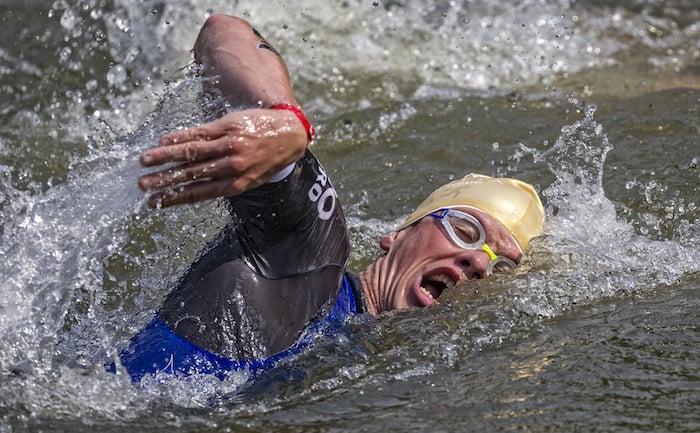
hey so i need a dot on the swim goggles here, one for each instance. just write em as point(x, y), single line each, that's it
point(466, 232)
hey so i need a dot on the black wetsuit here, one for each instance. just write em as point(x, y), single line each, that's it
point(278, 266)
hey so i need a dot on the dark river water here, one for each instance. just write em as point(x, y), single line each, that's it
point(596, 103)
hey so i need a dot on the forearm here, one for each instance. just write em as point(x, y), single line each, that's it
point(245, 148)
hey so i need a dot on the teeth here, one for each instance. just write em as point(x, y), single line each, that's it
point(438, 278)
point(434, 282)
point(444, 279)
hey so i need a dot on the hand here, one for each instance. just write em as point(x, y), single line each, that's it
point(226, 157)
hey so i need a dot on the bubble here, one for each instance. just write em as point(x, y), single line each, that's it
point(64, 54)
point(116, 76)
point(68, 19)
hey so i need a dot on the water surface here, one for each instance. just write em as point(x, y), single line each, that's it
point(595, 103)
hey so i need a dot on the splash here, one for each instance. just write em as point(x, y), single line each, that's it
point(589, 252)
point(84, 265)
point(80, 263)
point(587, 255)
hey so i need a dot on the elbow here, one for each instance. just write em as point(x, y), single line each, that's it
point(218, 30)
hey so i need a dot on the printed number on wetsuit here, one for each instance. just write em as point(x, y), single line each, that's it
point(323, 194)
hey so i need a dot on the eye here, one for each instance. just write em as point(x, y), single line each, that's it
point(465, 230)
point(502, 266)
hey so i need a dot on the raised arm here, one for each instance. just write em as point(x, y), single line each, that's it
point(242, 149)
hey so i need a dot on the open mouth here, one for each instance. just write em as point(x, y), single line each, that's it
point(434, 285)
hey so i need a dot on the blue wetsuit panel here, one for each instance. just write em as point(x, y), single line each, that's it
point(157, 349)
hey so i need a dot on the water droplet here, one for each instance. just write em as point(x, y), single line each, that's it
point(116, 75)
point(64, 54)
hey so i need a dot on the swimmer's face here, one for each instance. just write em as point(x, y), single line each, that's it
point(422, 262)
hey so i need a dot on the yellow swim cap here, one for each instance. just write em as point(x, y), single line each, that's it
point(514, 203)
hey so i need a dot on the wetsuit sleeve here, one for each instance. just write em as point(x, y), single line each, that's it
point(252, 292)
point(292, 226)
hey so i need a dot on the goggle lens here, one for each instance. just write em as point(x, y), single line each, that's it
point(465, 231)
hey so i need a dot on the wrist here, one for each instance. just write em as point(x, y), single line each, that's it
point(310, 131)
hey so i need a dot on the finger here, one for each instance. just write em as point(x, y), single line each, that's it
point(211, 169)
point(192, 151)
point(193, 193)
point(197, 133)
point(172, 176)
point(188, 137)
point(209, 131)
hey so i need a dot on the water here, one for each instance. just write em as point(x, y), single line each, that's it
point(595, 103)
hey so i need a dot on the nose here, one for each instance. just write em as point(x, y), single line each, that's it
point(474, 264)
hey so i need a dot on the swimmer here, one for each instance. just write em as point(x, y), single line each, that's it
point(276, 276)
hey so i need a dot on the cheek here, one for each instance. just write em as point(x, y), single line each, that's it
point(402, 296)
point(424, 241)
point(414, 257)
point(510, 248)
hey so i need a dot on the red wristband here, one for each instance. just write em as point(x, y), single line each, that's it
point(310, 131)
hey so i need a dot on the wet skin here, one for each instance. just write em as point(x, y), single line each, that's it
point(242, 149)
point(421, 262)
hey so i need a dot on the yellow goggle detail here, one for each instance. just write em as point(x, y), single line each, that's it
point(486, 248)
